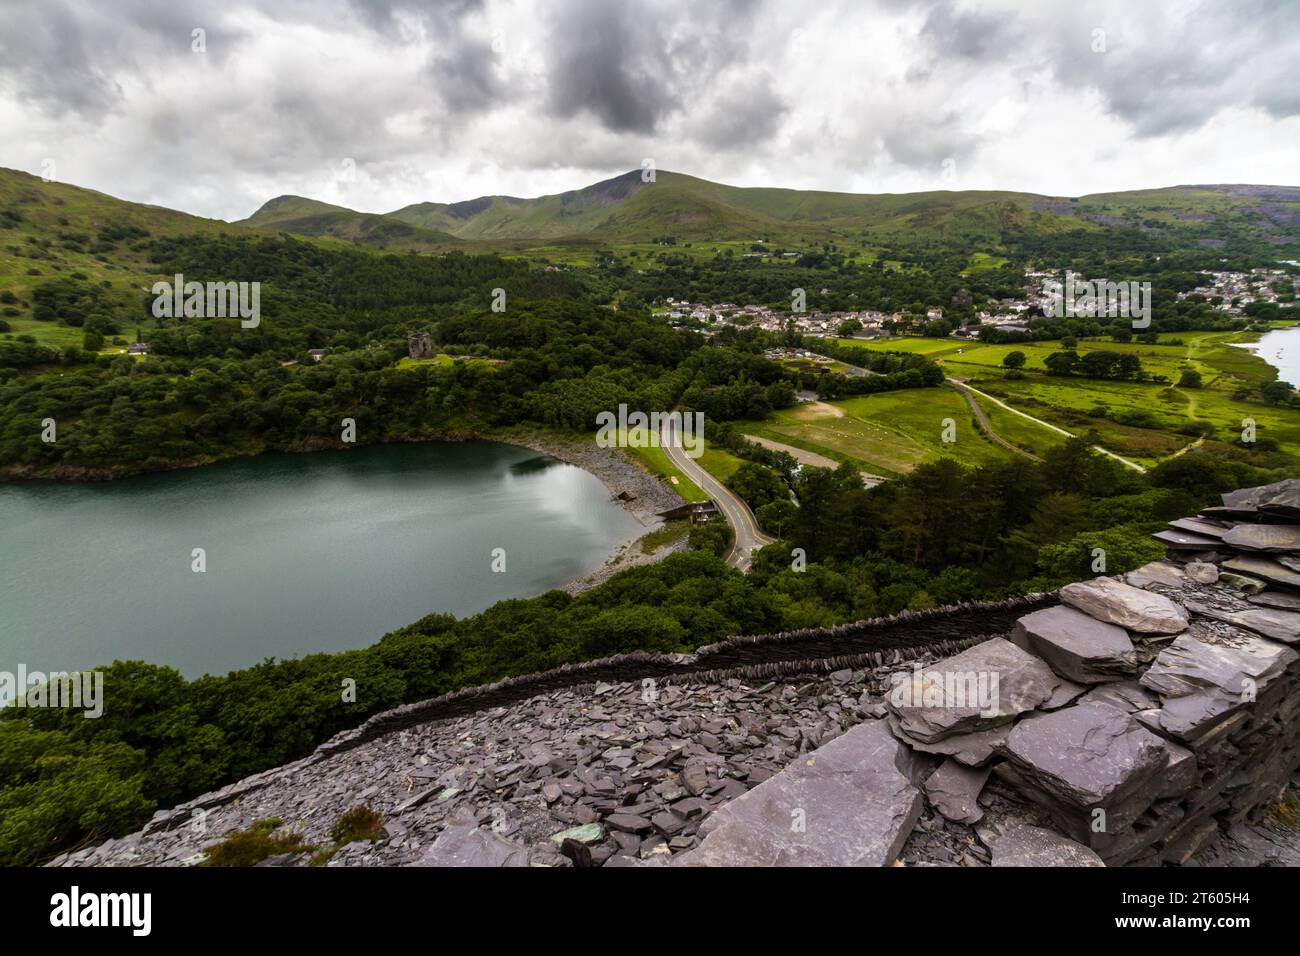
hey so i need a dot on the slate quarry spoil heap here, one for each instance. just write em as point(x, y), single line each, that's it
point(1147, 712)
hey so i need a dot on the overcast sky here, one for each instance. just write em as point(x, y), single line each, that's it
point(375, 104)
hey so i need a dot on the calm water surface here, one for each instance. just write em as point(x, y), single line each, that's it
point(305, 553)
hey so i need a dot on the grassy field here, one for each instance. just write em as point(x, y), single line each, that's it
point(916, 345)
point(889, 433)
point(720, 464)
point(1146, 422)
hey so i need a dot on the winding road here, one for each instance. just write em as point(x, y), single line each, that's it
point(746, 536)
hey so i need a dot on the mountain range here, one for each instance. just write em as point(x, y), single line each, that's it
point(678, 209)
point(628, 209)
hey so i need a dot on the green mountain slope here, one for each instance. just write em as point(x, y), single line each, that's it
point(626, 209)
point(310, 217)
point(54, 232)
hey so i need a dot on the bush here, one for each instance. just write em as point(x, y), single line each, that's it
point(362, 822)
point(252, 846)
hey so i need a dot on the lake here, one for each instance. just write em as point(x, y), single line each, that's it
point(1280, 349)
point(304, 553)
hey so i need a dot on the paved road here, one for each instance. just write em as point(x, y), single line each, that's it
point(744, 529)
point(1038, 421)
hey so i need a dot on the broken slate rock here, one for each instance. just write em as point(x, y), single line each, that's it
point(1203, 683)
point(954, 791)
point(982, 687)
point(464, 843)
point(1157, 572)
point(973, 749)
point(1278, 624)
point(844, 804)
point(1087, 756)
point(1077, 646)
point(1261, 567)
point(1121, 604)
point(1018, 844)
point(1264, 537)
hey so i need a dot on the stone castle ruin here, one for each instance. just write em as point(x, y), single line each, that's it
point(419, 345)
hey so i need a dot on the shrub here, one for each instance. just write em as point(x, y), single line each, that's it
point(252, 846)
point(362, 822)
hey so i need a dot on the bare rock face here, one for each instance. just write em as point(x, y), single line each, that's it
point(1079, 648)
point(1204, 683)
point(1091, 755)
point(977, 690)
point(1264, 537)
point(954, 791)
point(464, 843)
point(848, 803)
point(1114, 602)
point(1018, 844)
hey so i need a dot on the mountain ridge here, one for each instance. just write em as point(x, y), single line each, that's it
point(678, 206)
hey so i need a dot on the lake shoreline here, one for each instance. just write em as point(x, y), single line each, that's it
point(637, 491)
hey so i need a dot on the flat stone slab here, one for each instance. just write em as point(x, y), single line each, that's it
point(1121, 604)
point(1018, 844)
point(1128, 696)
point(1265, 568)
point(1077, 646)
point(954, 791)
point(1066, 691)
point(1280, 599)
point(1088, 755)
point(464, 843)
point(847, 803)
point(1264, 537)
point(972, 749)
point(1200, 526)
point(1185, 540)
point(1203, 683)
point(980, 688)
point(1280, 498)
point(1157, 572)
point(1281, 625)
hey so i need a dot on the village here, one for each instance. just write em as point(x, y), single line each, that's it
point(1231, 292)
point(1236, 290)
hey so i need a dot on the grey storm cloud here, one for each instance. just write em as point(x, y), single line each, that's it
point(458, 97)
point(65, 56)
point(1183, 63)
point(630, 64)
